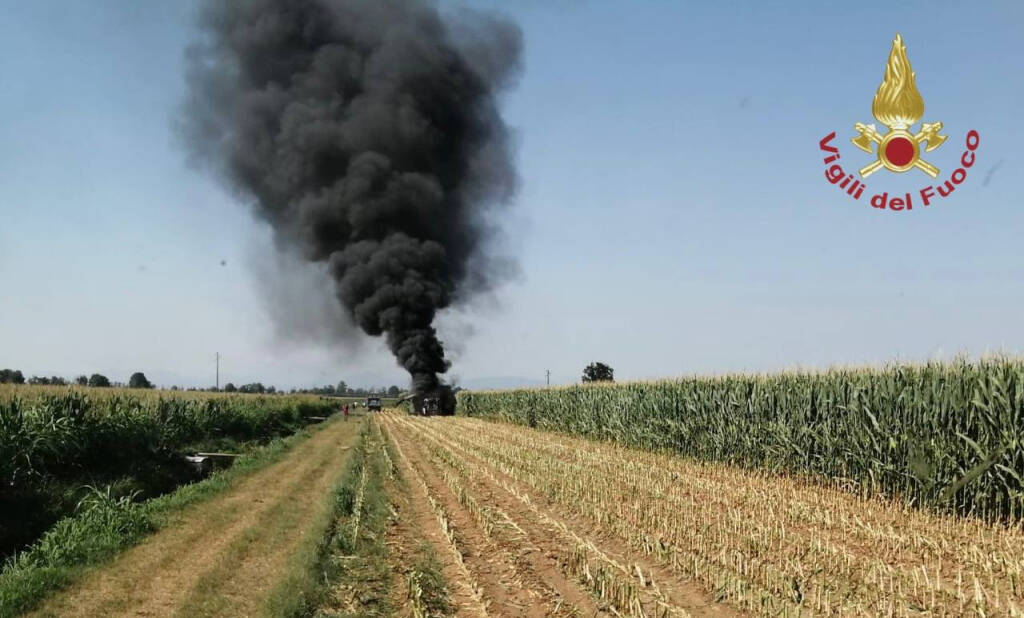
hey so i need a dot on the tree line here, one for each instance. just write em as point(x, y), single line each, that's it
point(139, 380)
point(14, 376)
point(341, 389)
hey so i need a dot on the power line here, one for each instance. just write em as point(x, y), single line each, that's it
point(548, 375)
point(218, 370)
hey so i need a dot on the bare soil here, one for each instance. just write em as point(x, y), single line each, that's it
point(517, 577)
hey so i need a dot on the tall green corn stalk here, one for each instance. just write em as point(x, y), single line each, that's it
point(944, 435)
point(72, 431)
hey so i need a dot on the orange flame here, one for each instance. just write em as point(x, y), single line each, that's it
point(897, 103)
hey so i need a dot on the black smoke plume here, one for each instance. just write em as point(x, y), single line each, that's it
point(367, 134)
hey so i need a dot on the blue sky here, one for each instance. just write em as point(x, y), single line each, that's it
point(673, 216)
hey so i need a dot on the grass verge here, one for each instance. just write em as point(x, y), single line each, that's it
point(105, 524)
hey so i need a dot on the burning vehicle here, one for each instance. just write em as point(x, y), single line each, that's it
point(438, 403)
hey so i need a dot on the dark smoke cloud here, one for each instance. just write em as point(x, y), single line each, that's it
point(367, 134)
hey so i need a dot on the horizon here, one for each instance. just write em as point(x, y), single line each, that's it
point(523, 383)
point(672, 218)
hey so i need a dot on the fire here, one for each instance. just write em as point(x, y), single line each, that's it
point(897, 103)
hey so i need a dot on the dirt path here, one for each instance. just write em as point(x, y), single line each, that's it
point(222, 557)
point(418, 522)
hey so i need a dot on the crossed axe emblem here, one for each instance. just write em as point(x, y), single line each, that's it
point(927, 136)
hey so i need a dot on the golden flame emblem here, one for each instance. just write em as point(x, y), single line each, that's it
point(898, 105)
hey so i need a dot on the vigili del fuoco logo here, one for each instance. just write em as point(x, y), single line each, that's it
point(899, 106)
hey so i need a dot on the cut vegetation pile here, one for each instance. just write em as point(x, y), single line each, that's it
point(55, 441)
point(945, 435)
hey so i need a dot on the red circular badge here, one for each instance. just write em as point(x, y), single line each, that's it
point(899, 151)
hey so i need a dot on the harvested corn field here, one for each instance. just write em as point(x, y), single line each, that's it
point(540, 523)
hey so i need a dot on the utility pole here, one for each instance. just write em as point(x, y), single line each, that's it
point(218, 370)
point(548, 375)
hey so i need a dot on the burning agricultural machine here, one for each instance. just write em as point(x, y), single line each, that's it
point(439, 403)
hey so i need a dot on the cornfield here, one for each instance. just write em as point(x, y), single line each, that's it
point(53, 440)
point(59, 429)
point(950, 436)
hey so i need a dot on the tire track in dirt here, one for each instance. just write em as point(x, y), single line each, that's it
point(516, 576)
point(420, 522)
point(403, 537)
point(184, 559)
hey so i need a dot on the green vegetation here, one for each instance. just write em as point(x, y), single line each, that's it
point(344, 390)
point(54, 441)
point(11, 376)
point(945, 435)
point(104, 525)
point(428, 593)
point(139, 380)
point(353, 576)
point(598, 372)
point(98, 380)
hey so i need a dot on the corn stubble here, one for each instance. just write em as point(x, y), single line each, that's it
point(759, 542)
